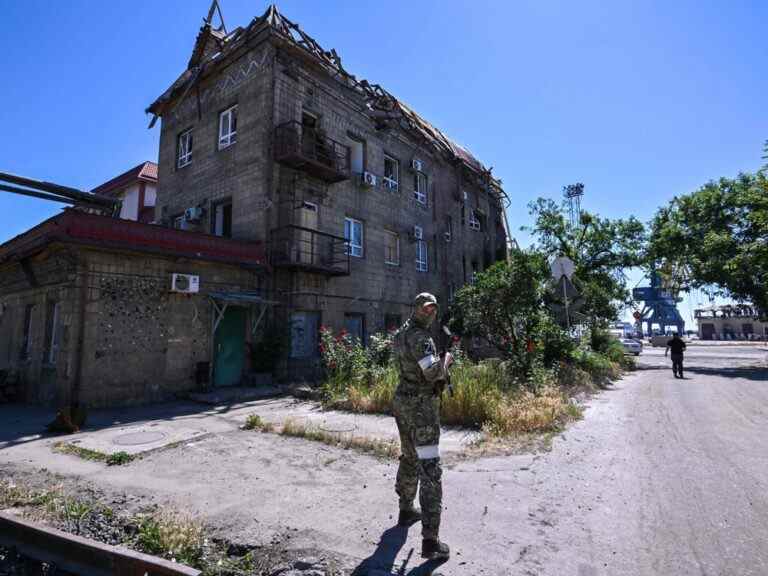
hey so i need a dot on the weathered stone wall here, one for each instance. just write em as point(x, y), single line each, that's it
point(374, 288)
point(143, 341)
point(271, 87)
point(238, 172)
point(50, 277)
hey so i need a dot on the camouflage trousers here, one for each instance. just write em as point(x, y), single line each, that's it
point(418, 421)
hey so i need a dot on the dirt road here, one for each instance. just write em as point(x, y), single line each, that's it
point(662, 477)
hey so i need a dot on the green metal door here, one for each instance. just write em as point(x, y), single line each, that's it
point(229, 348)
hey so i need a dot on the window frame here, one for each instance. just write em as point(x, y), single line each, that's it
point(422, 249)
point(215, 206)
point(418, 194)
point(26, 342)
point(351, 248)
point(474, 221)
point(226, 140)
point(52, 338)
point(388, 234)
point(184, 153)
point(392, 183)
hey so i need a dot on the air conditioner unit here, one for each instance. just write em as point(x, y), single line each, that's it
point(369, 179)
point(193, 214)
point(417, 165)
point(185, 283)
point(418, 233)
point(391, 184)
point(447, 236)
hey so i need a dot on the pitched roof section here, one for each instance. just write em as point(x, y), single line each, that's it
point(383, 107)
point(146, 171)
point(72, 226)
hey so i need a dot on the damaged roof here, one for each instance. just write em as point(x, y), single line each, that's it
point(213, 45)
point(146, 171)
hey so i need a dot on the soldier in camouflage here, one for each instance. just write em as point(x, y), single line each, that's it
point(417, 412)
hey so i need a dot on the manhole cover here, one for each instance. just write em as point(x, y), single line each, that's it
point(138, 438)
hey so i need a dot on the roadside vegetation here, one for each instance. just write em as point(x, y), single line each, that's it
point(532, 359)
point(114, 459)
point(165, 533)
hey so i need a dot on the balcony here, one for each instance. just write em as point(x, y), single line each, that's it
point(306, 249)
point(310, 150)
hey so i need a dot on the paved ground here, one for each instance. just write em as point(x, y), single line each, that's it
point(662, 477)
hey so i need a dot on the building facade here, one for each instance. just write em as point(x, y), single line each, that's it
point(137, 191)
point(361, 202)
point(103, 312)
point(731, 322)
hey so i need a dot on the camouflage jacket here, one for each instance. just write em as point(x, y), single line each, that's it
point(417, 359)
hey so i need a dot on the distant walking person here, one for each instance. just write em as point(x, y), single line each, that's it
point(678, 347)
point(417, 413)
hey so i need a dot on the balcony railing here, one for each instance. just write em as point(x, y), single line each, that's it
point(310, 250)
point(310, 150)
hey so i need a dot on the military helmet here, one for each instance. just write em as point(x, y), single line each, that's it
point(423, 299)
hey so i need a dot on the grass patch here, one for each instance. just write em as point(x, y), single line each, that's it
point(116, 459)
point(172, 536)
point(119, 458)
point(255, 422)
point(482, 397)
point(374, 446)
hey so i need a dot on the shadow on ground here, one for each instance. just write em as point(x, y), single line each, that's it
point(757, 373)
point(382, 561)
point(21, 423)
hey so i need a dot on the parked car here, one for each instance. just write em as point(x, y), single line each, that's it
point(632, 346)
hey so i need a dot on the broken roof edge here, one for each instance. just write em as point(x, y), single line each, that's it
point(377, 98)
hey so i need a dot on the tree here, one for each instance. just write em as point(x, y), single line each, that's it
point(717, 237)
point(600, 248)
point(505, 302)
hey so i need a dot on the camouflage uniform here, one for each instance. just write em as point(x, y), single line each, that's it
point(416, 408)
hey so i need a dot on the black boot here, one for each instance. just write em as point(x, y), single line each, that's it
point(409, 517)
point(434, 550)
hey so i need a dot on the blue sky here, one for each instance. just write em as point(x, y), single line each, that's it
point(639, 100)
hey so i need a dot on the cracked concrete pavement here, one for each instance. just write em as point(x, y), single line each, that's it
point(662, 476)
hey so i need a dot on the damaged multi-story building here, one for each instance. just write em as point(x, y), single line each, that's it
point(360, 201)
point(290, 194)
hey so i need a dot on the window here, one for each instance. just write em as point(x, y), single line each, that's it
point(355, 326)
point(353, 232)
point(26, 343)
point(474, 221)
point(421, 256)
point(420, 187)
point(221, 219)
point(52, 332)
point(356, 155)
point(391, 173)
point(228, 127)
point(184, 149)
point(391, 248)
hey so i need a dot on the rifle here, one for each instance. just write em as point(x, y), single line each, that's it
point(446, 337)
